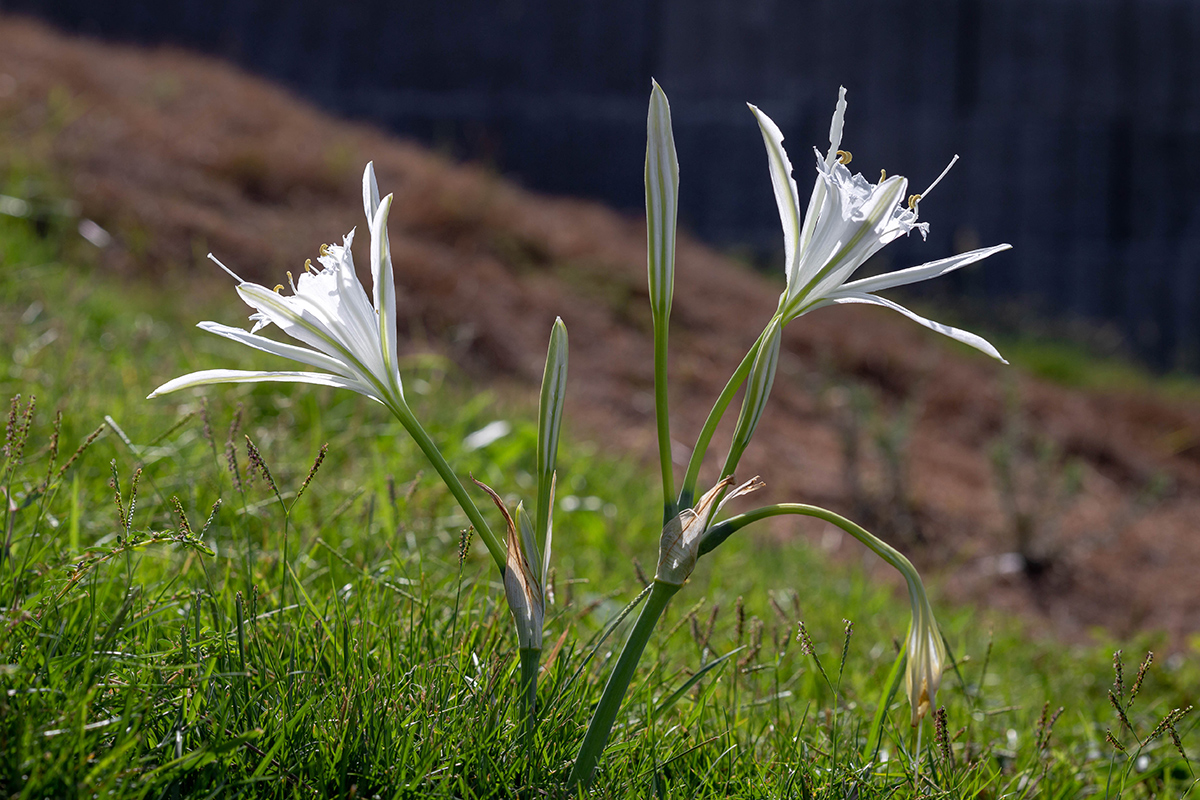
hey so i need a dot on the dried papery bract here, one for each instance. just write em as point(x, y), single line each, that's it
point(679, 543)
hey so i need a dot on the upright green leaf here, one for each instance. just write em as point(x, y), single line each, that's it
point(550, 412)
point(758, 391)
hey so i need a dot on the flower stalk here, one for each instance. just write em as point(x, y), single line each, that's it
point(605, 714)
point(926, 651)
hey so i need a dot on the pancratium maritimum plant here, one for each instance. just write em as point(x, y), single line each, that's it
point(848, 220)
point(352, 338)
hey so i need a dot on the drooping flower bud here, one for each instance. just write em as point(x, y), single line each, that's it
point(927, 658)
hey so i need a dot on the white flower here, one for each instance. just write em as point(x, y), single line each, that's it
point(927, 659)
point(351, 339)
point(679, 544)
point(849, 219)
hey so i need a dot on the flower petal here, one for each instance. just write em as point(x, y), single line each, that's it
point(866, 215)
point(818, 193)
point(785, 191)
point(304, 355)
point(384, 281)
point(966, 337)
point(305, 319)
point(370, 192)
point(923, 272)
point(209, 376)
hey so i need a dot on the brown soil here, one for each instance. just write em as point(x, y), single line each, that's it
point(181, 154)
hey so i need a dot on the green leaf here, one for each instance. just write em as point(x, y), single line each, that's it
point(890, 687)
point(550, 413)
point(675, 696)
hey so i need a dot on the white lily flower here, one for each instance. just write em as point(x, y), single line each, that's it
point(927, 659)
point(352, 339)
point(849, 219)
point(679, 544)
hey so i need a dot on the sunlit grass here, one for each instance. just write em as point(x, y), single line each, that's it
point(371, 661)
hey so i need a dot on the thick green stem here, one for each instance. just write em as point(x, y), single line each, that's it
point(410, 423)
point(687, 492)
point(661, 415)
point(618, 684)
point(530, 662)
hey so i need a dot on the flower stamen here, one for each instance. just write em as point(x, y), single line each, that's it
point(912, 202)
point(231, 273)
point(882, 175)
point(308, 265)
point(938, 179)
point(844, 157)
point(279, 288)
point(291, 282)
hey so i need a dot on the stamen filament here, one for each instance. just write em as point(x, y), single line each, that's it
point(938, 180)
point(232, 274)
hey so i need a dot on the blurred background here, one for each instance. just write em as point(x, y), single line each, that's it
point(1078, 121)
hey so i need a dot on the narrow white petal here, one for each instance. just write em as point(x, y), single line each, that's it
point(785, 191)
point(384, 285)
point(370, 192)
point(966, 337)
point(924, 272)
point(835, 127)
point(302, 354)
point(211, 376)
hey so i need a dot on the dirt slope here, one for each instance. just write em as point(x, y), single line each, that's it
point(871, 415)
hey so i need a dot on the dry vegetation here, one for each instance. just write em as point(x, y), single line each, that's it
point(1079, 507)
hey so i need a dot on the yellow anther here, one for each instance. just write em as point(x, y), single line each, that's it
point(308, 265)
point(290, 281)
point(844, 156)
point(279, 289)
point(912, 202)
point(324, 250)
point(882, 175)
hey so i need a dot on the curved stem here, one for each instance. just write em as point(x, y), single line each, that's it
point(662, 417)
point(618, 684)
point(688, 492)
point(423, 440)
point(723, 530)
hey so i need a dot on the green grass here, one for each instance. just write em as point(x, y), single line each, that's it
point(333, 644)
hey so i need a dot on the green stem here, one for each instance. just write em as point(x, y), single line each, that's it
point(410, 423)
point(618, 684)
point(723, 530)
point(662, 417)
point(688, 492)
point(530, 661)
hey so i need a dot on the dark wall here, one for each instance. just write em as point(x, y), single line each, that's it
point(1078, 121)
